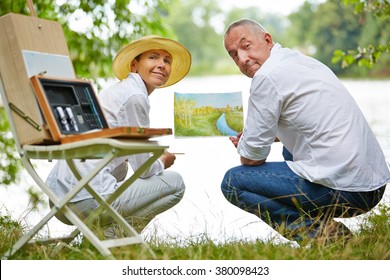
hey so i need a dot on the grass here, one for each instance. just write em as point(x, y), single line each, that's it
point(370, 242)
point(234, 120)
point(205, 125)
point(201, 125)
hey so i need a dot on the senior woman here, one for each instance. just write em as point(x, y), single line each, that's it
point(142, 66)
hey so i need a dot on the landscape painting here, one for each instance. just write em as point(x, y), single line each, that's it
point(208, 114)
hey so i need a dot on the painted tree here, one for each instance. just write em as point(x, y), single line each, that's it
point(184, 110)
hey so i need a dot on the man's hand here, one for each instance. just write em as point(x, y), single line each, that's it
point(247, 161)
point(235, 139)
point(244, 161)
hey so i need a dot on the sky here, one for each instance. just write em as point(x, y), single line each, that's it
point(217, 100)
point(283, 7)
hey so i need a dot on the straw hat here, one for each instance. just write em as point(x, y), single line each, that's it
point(181, 57)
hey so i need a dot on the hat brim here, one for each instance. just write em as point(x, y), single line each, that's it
point(181, 57)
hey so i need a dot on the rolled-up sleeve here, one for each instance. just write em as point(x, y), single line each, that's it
point(264, 107)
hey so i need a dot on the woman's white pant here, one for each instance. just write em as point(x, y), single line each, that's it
point(139, 203)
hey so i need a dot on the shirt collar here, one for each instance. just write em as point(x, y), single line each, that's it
point(140, 83)
point(276, 47)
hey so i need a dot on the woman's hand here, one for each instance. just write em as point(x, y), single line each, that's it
point(167, 159)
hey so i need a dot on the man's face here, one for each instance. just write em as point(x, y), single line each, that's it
point(248, 49)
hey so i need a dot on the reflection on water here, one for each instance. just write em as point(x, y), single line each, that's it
point(204, 212)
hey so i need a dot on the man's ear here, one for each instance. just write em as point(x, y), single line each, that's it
point(268, 38)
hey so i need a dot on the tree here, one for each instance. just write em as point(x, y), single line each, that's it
point(300, 32)
point(367, 54)
point(96, 30)
point(9, 159)
point(193, 21)
point(320, 29)
point(334, 26)
point(200, 24)
point(274, 24)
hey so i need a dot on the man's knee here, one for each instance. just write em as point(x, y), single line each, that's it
point(228, 187)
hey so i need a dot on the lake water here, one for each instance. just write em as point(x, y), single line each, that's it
point(204, 212)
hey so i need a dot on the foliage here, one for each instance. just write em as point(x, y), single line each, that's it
point(275, 24)
point(302, 20)
point(368, 55)
point(192, 22)
point(363, 56)
point(96, 30)
point(320, 29)
point(10, 232)
point(10, 162)
point(200, 25)
point(324, 28)
point(380, 8)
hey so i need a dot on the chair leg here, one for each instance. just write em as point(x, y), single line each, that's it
point(62, 204)
point(106, 205)
point(66, 239)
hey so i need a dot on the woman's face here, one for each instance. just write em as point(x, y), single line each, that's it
point(154, 67)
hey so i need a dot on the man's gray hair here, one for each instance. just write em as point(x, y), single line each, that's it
point(253, 25)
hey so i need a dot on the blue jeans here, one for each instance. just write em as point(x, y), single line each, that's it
point(274, 193)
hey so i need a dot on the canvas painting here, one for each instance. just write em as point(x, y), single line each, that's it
point(208, 114)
